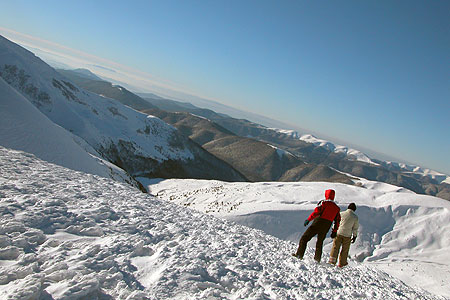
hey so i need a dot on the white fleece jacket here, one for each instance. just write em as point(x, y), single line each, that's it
point(349, 224)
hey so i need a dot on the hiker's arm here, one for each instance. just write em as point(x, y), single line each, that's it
point(355, 228)
point(337, 221)
point(317, 212)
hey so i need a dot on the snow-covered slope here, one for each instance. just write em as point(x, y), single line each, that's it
point(24, 127)
point(136, 142)
point(68, 235)
point(402, 233)
point(280, 152)
point(100, 121)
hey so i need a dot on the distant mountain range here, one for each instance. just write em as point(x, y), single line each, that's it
point(256, 160)
point(271, 154)
point(360, 156)
point(85, 73)
point(141, 145)
point(352, 154)
point(221, 109)
point(246, 128)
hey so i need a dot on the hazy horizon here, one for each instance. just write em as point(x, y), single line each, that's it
point(372, 75)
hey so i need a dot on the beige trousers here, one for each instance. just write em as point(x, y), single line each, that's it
point(339, 241)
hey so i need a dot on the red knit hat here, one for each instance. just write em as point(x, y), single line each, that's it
point(329, 194)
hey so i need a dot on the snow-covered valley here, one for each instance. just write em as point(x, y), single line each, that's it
point(401, 233)
point(70, 235)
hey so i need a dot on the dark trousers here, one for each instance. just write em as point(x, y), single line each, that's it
point(320, 228)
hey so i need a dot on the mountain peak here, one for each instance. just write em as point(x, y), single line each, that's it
point(86, 74)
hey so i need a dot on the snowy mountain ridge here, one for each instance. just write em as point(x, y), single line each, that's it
point(24, 127)
point(280, 152)
point(360, 156)
point(70, 235)
point(309, 138)
point(357, 155)
point(97, 120)
point(138, 143)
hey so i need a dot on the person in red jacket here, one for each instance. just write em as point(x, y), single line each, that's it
point(323, 215)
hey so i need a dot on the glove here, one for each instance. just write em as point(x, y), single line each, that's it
point(353, 239)
point(333, 234)
point(306, 223)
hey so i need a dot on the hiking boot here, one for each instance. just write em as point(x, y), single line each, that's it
point(296, 255)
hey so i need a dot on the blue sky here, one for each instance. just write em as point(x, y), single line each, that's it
point(371, 73)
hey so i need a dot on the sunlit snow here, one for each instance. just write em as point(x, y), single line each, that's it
point(70, 235)
point(403, 233)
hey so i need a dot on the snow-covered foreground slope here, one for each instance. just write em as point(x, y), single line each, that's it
point(402, 233)
point(70, 235)
point(24, 127)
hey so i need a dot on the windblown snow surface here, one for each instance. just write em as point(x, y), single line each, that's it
point(71, 235)
point(402, 233)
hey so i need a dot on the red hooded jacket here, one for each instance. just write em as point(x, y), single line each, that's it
point(327, 209)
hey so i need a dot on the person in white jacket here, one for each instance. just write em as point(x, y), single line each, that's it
point(349, 226)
